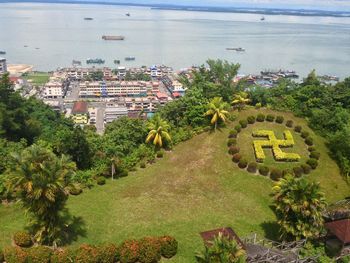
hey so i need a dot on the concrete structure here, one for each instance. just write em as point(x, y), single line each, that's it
point(81, 73)
point(114, 111)
point(80, 113)
point(53, 90)
point(3, 66)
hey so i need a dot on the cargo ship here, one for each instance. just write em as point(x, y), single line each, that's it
point(2, 52)
point(88, 18)
point(129, 58)
point(113, 37)
point(239, 49)
point(95, 61)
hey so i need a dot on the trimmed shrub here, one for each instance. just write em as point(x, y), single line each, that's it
point(298, 171)
point(312, 149)
point(15, 255)
point(260, 117)
point(258, 105)
point(238, 128)
point(39, 254)
point(251, 119)
point(101, 180)
point(315, 155)
point(22, 239)
point(252, 167)
point(287, 171)
point(143, 164)
point(75, 189)
point(312, 162)
point(160, 154)
point(168, 246)
point(123, 173)
point(62, 256)
point(233, 134)
point(279, 119)
point(108, 253)
point(87, 254)
point(231, 141)
point(306, 168)
point(297, 128)
point(243, 123)
point(129, 251)
point(270, 117)
point(236, 157)
point(305, 134)
point(264, 170)
point(289, 123)
point(233, 150)
point(242, 163)
point(2, 259)
point(149, 250)
point(275, 174)
point(309, 141)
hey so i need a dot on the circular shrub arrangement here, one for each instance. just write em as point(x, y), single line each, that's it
point(251, 119)
point(289, 123)
point(312, 162)
point(86, 254)
point(275, 174)
point(264, 170)
point(315, 155)
point(75, 189)
point(298, 171)
point(160, 154)
point(108, 253)
point(260, 117)
point(149, 250)
point(309, 141)
point(129, 251)
point(62, 256)
point(233, 150)
point(39, 254)
point(143, 164)
point(168, 246)
point(22, 239)
point(238, 128)
point(305, 134)
point(236, 157)
point(312, 149)
point(270, 117)
point(287, 171)
point(15, 255)
point(279, 119)
point(243, 123)
point(252, 167)
point(233, 134)
point(231, 141)
point(306, 168)
point(297, 128)
point(101, 180)
point(242, 163)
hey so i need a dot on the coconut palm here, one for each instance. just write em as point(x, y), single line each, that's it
point(240, 100)
point(158, 131)
point(298, 205)
point(40, 179)
point(217, 111)
point(115, 162)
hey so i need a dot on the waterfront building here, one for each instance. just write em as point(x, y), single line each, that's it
point(82, 73)
point(115, 111)
point(3, 66)
point(80, 114)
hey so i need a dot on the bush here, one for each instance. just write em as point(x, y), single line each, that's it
point(242, 163)
point(258, 105)
point(15, 255)
point(22, 239)
point(40, 254)
point(231, 141)
point(123, 173)
point(233, 134)
point(108, 253)
point(297, 128)
point(233, 150)
point(305, 134)
point(275, 174)
point(243, 123)
point(129, 251)
point(312, 162)
point(160, 154)
point(236, 157)
point(289, 123)
point(62, 256)
point(270, 117)
point(287, 171)
point(168, 246)
point(279, 119)
point(260, 117)
point(309, 141)
point(251, 119)
point(101, 180)
point(75, 189)
point(306, 168)
point(298, 171)
point(143, 164)
point(86, 254)
point(149, 250)
point(264, 170)
point(238, 128)
point(2, 259)
point(312, 149)
point(252, 167)
point(315, 155)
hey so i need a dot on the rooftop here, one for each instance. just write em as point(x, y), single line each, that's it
point(80, 107)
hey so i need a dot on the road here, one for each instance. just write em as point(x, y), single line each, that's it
point(100, 120)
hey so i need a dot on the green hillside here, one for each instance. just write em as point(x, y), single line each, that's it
point(195, 187)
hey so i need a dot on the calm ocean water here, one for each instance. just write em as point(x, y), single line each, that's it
point(56, 34)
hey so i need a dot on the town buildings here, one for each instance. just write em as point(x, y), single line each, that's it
point(3, 66)
point(80, 114)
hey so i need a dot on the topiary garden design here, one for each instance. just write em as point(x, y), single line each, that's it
point(270, 146)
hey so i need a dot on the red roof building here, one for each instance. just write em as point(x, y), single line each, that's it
point(80, 107)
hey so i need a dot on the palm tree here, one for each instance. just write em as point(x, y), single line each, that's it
point(298, 205)
point(39, 178)
point(240, 100)
point(158, 131)
point(217, 109)
point(115, 162)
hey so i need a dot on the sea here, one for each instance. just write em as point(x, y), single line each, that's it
point(49, 36)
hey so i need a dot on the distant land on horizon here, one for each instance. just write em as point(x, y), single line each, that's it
point(248, 10)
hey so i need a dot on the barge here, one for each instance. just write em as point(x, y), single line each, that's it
point(113, 37)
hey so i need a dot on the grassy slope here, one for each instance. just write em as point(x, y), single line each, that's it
point(194, 188)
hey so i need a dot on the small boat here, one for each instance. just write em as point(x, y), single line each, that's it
point(76, 62)
point(129, 58)
point(262, 18)
point(95, 61)
point(88, 18)
point(238, 49)
point(2, 52)
point(117, 61)
point(37, 48)
point(113, 37)
point(127, 14)
point(25, 46)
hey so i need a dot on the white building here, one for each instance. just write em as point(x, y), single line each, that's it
point(53, 90)
point(3, 66)
point(114, 112)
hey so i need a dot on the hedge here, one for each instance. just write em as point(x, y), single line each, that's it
point(251, 119)
point(233, 150)
point(298, 171)
point(15, 255)
point(275, 174)
point(168, 246)
point(252, 167)
point(306, 168)
point(129, 251)
point(22, 239)
point(75, 189)
point(150, 250)
point(260, 117)
point(233, 134)
point(243, 123)
point(238, 128)
point(312, 162)
point(287, 171)
point(270, 117)
point(236, 157)
point(297, 128)
point(231, 142)
point(309, 141)
point(108, 253)
point(311, 149)
point(143, 164)
point(264, 170)
point(289, 123)
point(242, 163)
point(62, 256)
point(279, 119)
point(160, 154)
point(315, 155)
point(1, 255)
point(87, 254)
point(305, 134)
point(101, 180)
point(39, 254)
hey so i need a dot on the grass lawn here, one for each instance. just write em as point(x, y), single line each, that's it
point(37, 78)
point(194, 188)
